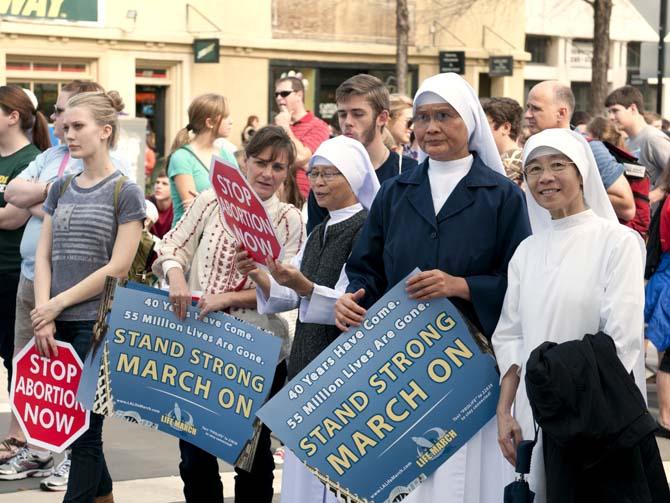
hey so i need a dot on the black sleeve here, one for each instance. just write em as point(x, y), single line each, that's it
point(315, 213)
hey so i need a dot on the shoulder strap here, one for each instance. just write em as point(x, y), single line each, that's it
point(400, 163)
point(196, 157)
point(66, 183)
point(117, 190)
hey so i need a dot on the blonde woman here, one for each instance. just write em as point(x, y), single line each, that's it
point(193, 147)
point(86, 235)
point(400, 121)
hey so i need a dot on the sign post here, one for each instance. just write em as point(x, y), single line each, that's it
point(44, 397)
point(243, 211)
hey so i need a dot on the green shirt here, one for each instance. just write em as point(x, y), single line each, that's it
point(185, 162)
point(10, 241)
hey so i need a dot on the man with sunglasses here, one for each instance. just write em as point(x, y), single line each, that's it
point(363, 104)
point(306, 130)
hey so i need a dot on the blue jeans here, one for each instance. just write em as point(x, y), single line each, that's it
point(89, 476)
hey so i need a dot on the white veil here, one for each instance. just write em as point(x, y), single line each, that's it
point(453, 89)
point(574, 146)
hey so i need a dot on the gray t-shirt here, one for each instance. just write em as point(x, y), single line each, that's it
point(652, 148)
point(84, 225)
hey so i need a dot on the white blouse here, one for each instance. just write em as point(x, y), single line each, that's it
point(320, 306)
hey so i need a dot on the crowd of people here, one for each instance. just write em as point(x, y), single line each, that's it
point(540, 224)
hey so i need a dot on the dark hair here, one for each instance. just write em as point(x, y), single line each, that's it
point(369, 87)
point(580, 117)
point(296, 83)
point(161, 174)
point(291, 193)
point(650, 117)
point(502, 110)
point(14, 99)
point(274, 137)
point(625, 96)
point(251, 119)
point(665, 124)
point(601, 128)
point(82, 86)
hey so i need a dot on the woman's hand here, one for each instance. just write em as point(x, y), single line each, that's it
point(180, 294)
point(211, 302)
point(509, 435)
point(434, 284)
point(290, 277)
point(45, 340)
point(347, 311)
point(245, 265)
point(46, 313)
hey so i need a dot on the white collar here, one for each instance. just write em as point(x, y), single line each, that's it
point(337, 216)
point(456, 167)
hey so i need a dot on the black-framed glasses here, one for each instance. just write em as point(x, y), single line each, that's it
point(283, 94)
point(535, 170)
point(58, 110)
point(325, 174)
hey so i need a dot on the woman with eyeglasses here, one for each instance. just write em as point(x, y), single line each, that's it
point(344, 182)
point(580, 272)
point(458, 219)
point(197, 257)
point(193, 147)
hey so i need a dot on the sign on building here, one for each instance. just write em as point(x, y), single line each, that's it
point(86, 11)
point(206, 50)
point(452, 61)
point(501, 66)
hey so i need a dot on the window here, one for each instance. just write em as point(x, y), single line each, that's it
point(44, 77)
point(633, 55)
point(538, 47)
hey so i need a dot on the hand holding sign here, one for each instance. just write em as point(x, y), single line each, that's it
point(243, 212)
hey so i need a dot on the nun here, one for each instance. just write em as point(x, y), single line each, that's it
point(580, 272)
point(458, 219)
point(344, 182)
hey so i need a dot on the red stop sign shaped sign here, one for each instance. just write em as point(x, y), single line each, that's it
point(243, 211)
point(44, 396)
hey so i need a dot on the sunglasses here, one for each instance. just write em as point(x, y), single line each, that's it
point(283, 94)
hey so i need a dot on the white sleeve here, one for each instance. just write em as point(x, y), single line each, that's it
point(622, 310)
point(508, 337)
point(281, 298)
point(320, 307)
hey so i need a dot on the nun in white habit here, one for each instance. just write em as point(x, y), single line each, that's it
point(344, 182)
point(458, 219)
point(580, 272)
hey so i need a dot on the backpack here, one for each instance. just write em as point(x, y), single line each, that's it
point(637, 178)
point(654, 251)
point(138, 271)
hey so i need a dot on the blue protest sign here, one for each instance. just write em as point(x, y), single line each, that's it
point(386, 404)
point(201, 380)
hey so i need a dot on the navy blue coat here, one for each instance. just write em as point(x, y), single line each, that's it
point(473, 236)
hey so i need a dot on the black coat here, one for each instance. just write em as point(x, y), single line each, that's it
point(597, 432)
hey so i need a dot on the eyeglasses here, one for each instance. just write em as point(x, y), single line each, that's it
point(283, 94)
point(57, 110)
point(326, 175)
point(441, 117)
point(535, 170)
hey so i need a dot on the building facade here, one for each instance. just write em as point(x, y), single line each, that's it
point(147, 50)
point(559, 38)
